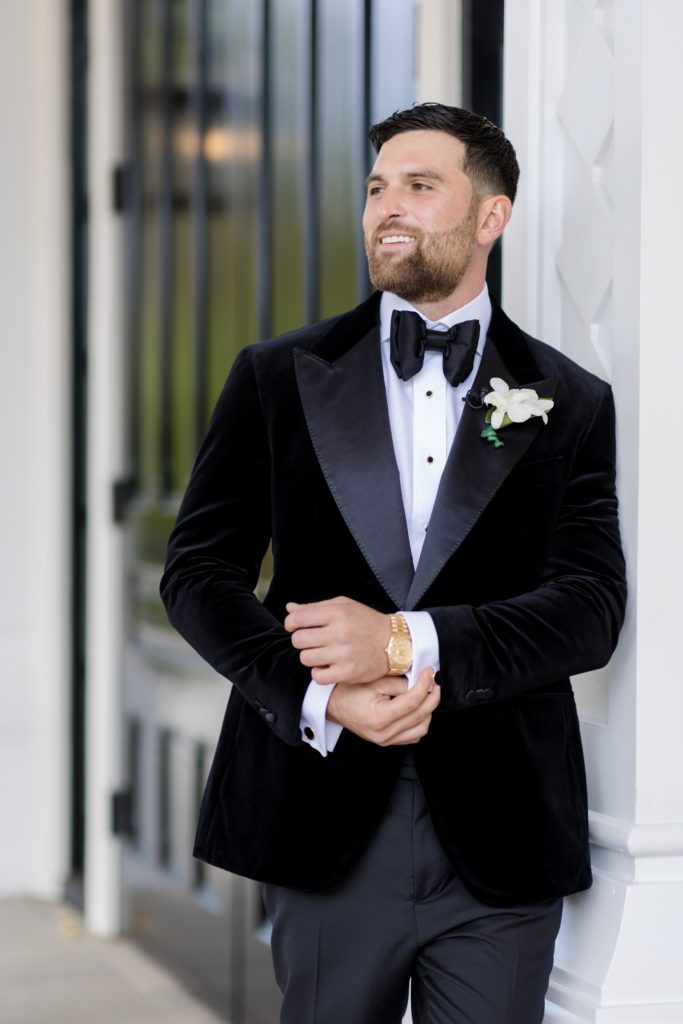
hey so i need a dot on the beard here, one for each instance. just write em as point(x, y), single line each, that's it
point(431, 269)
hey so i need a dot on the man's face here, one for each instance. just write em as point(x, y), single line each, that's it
point(420, 218)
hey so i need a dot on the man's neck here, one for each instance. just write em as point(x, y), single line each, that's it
point(435, 310)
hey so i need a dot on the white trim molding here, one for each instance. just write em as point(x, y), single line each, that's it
point(653, 839)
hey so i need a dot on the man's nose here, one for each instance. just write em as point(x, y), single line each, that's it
point(390, 204)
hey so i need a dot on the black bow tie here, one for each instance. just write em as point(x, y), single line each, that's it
point(410, 338)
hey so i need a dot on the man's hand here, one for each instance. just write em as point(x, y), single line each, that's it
point(386, 712)
point(340, 640)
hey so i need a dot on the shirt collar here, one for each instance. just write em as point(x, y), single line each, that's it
point(478, 309)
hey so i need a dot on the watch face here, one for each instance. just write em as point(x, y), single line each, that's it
point(401, 651)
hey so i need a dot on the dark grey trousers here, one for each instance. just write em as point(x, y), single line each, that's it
point(347, 956)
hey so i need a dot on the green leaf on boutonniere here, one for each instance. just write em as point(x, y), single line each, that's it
point(490, 434)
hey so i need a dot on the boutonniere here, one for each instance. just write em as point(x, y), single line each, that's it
point(511, 405)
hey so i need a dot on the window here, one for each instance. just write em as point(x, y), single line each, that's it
point(247, 126)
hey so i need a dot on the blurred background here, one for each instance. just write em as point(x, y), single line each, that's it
point(181, 178)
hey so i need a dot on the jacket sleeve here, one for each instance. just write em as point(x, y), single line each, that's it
point(570, 623)
point(214, 557)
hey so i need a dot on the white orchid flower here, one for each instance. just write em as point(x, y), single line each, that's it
point(514, 405)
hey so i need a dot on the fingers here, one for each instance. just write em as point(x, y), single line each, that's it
point(412, 730)
point(385, 712)
point(341, 667)
point(391, 686)
point(318, 613)
point(410, 736)
point(425, 678)
point(316, 644)
point(341, 640)
point(408, 708)
point(308, 638)
point(326, 670)
point(291, 605)
point(414, 697)
point(407, 717)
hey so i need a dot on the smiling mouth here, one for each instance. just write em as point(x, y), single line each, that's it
point(390, 240)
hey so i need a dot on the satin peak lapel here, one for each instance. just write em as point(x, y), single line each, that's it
point(345, 406)
point(473, 473)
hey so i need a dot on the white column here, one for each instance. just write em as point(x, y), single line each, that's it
point(46, 309)
point(105, 553)
point(592, 265)
point(439, 51)
point(34, 448)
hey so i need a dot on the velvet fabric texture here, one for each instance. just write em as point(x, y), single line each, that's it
point(522, 572)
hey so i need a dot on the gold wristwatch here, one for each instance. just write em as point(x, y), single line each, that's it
point(399, 650)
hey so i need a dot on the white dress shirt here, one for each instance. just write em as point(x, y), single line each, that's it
point(424, 413)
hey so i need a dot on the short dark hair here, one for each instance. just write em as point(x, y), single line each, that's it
point(490, 159)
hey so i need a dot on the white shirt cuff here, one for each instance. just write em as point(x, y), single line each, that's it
point(425, 643)
point(316, 730)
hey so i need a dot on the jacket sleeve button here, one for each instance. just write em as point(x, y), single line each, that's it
point(270, 717)
point(477, 696)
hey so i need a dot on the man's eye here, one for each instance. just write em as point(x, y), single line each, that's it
point(374, 190)
point(421, 186)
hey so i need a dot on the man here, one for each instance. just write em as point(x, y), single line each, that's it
point(400, 760)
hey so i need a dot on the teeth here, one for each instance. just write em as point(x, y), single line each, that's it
point(391, 239)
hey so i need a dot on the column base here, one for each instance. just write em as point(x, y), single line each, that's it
point(619, 954)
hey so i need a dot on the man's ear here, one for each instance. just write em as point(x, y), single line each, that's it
point(494, 213)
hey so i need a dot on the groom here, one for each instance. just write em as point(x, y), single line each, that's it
point(400, 759)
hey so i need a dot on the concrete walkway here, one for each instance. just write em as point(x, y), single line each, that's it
point(53, 972)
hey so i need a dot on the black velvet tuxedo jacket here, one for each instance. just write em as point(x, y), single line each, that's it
point(521, 571)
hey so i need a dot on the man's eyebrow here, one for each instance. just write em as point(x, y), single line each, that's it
point(407, 175)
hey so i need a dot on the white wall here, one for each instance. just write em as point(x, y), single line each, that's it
point(592, 262)
point(34, 397)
